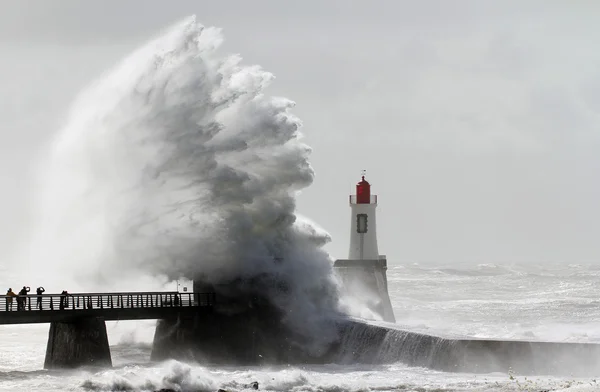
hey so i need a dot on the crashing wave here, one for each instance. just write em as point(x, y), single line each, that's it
point(176, 164)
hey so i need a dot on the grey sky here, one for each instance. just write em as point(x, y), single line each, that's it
point(477, 121)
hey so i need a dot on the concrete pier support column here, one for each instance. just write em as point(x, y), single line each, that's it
point(81, 342)
point(174, 338)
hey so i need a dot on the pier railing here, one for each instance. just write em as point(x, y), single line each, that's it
point(88, 301)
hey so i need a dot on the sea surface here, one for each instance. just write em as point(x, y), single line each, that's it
point(529, 302)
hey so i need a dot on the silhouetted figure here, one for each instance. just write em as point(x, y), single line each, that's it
point(64, 300)
point(22, 298)
point(39, 291)
point(176, 300)
point(9, 300)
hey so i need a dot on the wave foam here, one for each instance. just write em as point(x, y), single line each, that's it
point(176, 164)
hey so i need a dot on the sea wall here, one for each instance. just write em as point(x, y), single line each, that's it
point(249, 330)
point(366, 343)
point(257, 338)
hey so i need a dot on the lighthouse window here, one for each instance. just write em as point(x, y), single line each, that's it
point(361, 223)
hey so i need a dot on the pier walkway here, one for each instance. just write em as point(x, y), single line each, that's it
point(47, 308)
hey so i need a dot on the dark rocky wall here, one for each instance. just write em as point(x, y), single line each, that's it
point(254, 335)
point(80, 343)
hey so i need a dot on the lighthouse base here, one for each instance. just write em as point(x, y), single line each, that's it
point(365, 282)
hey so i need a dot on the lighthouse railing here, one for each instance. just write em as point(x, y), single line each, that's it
point(373, 199)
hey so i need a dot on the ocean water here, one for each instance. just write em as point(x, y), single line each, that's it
point(532, 302)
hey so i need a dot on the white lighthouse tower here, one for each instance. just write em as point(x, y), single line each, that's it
point(363, 274)
point(363, 227)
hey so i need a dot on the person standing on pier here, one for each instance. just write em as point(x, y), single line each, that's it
point(9, 300)
point(22, 298)
point(39, 291)
point(64, 299)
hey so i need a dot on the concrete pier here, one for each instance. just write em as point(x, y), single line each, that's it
point(82, 342)
point(77, 335)
point(366, 282)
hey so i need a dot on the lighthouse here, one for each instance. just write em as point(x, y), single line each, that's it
point(364, 273)
point(363, 226)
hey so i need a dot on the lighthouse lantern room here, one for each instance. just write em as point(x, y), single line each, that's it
point(363, 233)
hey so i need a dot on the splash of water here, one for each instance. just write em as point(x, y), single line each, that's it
point(176, 164)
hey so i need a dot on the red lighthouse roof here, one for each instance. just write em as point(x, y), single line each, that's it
point(363, 192)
